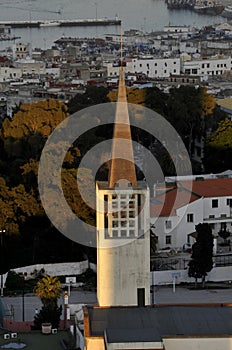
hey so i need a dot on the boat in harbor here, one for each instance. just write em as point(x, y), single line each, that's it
point(49, 24)
point(180, 4)
point(208, 7)
point(227, 12)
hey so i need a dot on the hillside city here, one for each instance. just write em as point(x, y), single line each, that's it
point(182, 73)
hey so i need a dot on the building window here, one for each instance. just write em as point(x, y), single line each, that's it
point(168, 239)
point(168, 224)
point(214, 203)
point(189, 217)
point(229, 202)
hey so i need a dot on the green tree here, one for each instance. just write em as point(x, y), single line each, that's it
point(202, 253)
point(218, 151)
point(92, 96)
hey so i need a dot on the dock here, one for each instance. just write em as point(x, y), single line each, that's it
point(62, 23)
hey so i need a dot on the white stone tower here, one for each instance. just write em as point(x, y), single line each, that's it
point(123, 222)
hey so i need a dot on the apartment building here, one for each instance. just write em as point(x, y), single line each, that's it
point(10, 74)
point(157, 67)
point(216, 65)
point(183, 202)
point(30, 66)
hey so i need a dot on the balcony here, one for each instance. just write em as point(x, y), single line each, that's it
point(220, 218)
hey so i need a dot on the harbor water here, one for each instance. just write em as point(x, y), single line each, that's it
point(145, 15)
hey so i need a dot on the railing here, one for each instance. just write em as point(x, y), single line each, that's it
point(180, 263)
point(218, 218)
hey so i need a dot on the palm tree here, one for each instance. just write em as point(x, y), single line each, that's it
point(48, 289)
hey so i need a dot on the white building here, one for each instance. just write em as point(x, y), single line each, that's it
point(113, 68)
point(209, 66)
point(30, 66)
point(188, 202)
point(21, 51)
point(10, 74)
point(157, 67)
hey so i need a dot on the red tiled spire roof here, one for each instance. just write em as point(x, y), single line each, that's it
point(122, 170)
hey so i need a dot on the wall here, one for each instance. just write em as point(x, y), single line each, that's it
point(199, 343)
point(94, 343)
point(14, 326)
point(218, 274)
point(61, 269)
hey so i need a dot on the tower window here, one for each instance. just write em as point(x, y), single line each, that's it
point(115, 233)
point(168, 239)
point(123, 233)
point(115, 223)
point(168, 224)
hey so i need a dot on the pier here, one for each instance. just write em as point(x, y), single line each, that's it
point(62, 23)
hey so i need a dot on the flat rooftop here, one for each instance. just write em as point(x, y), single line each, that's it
point(151, 324)
point(37, 341)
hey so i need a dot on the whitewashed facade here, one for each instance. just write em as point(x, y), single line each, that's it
point(31, 67)
point(175, 228)
point(10, 74)
point(206, 67)
point(157, 67)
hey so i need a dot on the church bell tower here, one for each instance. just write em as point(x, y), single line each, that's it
point(123, 221)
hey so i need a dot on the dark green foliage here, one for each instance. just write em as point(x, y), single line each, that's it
point(14, 281)
point(202, 253)
point(89, 278)
point(92, 96)
point(50, 313)
point(218, 151)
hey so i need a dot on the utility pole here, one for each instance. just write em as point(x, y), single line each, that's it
point(2, 233)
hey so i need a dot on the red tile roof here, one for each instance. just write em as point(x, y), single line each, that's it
point(212, 187)
point(187, 192)
point(170, 201)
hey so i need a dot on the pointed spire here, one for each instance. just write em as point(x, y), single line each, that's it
point(122, 170)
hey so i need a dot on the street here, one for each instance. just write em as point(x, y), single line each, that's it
point(14, 305)
point(163, 295)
